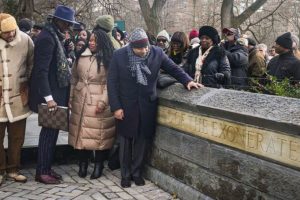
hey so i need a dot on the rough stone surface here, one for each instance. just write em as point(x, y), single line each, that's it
point(223, 168)
point(273, 108)
point(203, 180)
point(183, 145)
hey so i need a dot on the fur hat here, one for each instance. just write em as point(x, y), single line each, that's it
point(210, 32)
point(193, 34)
point(285, 40)
point(105, 22)
point(138, 38)
point(7, 23)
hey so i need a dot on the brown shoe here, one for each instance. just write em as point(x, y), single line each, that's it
point(17, 177)
point(55, 175)
point(46, 179)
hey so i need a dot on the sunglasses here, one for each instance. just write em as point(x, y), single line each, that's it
point(161, 40)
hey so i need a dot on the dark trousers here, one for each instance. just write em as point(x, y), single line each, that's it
point(16, 133)
point(132, 153)
point(46, 149)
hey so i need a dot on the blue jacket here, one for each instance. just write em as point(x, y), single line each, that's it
point(43, 81)
point(139, 102)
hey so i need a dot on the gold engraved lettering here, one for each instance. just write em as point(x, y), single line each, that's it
point(278, 146)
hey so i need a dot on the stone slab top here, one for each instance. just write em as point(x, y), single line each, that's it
point(272, 112)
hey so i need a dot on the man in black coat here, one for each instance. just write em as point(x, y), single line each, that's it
point(50, 84)
point(285, 65)
point(132, 79)
point(238, 59)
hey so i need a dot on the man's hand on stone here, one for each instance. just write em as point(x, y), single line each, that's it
point(119, 114)
point(193, 84)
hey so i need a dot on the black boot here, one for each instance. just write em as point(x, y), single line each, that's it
point(83, 165)
point(83, 162)
point(98, 168)
point(100, 157)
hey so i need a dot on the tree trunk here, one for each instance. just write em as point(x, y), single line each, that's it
point(152, 15)
point(25, 9)
point(229, 20)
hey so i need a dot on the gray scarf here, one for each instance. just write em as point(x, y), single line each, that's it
point(63, 73)
point(138, 66)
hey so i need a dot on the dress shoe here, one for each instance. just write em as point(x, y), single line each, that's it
point(15, 176)
point(83, 165)
point(138, 180)
point(46, 179)
point(126, 182)
point(98, 168)
point(55, 175)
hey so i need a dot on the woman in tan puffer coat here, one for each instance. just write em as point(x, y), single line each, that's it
point(91, 123)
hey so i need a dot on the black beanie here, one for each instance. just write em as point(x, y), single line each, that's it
point(210, 32)
point(285, 40)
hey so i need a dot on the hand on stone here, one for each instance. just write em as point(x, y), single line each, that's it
point(193, 84)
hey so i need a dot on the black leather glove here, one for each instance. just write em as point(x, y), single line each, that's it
point(219, 76)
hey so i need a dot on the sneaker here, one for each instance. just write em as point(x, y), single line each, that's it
point(15, 176)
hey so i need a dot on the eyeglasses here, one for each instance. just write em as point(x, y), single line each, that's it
point(161, 40)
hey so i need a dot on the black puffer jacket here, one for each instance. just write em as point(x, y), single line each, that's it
point(238, 59)
point(215, 62)
point(285, 65)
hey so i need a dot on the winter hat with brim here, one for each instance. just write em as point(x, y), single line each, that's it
point(65, 13)
point(285, 40)
point(138, 38)
point(164, 34)
point(210, 32)
point(105, 22)
point(7, 23)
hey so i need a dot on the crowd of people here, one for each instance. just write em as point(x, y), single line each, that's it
point(109, 79)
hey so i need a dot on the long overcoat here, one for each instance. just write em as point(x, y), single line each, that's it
point(16, 61)
point(88, 129)
point(44, 73)
point(139, 102)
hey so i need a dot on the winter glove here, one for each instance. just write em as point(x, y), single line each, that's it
point(219, 76)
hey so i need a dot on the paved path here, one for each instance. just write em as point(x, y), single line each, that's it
point(74, 187)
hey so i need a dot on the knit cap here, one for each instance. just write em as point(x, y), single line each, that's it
point(285, 40)
point(25, 25)
point(164, 34)
point(193, 34)
point(7, 22)
point(105, 22)
point(138, 38)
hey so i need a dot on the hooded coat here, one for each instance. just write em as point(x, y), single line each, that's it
point(88, 129)
point(16, 61)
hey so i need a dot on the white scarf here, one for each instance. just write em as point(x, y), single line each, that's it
point(199, 63)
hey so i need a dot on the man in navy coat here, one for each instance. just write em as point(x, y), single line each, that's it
point(50, 84)
point(132, 79)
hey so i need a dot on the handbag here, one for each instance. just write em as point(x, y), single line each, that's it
point(58, 119)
